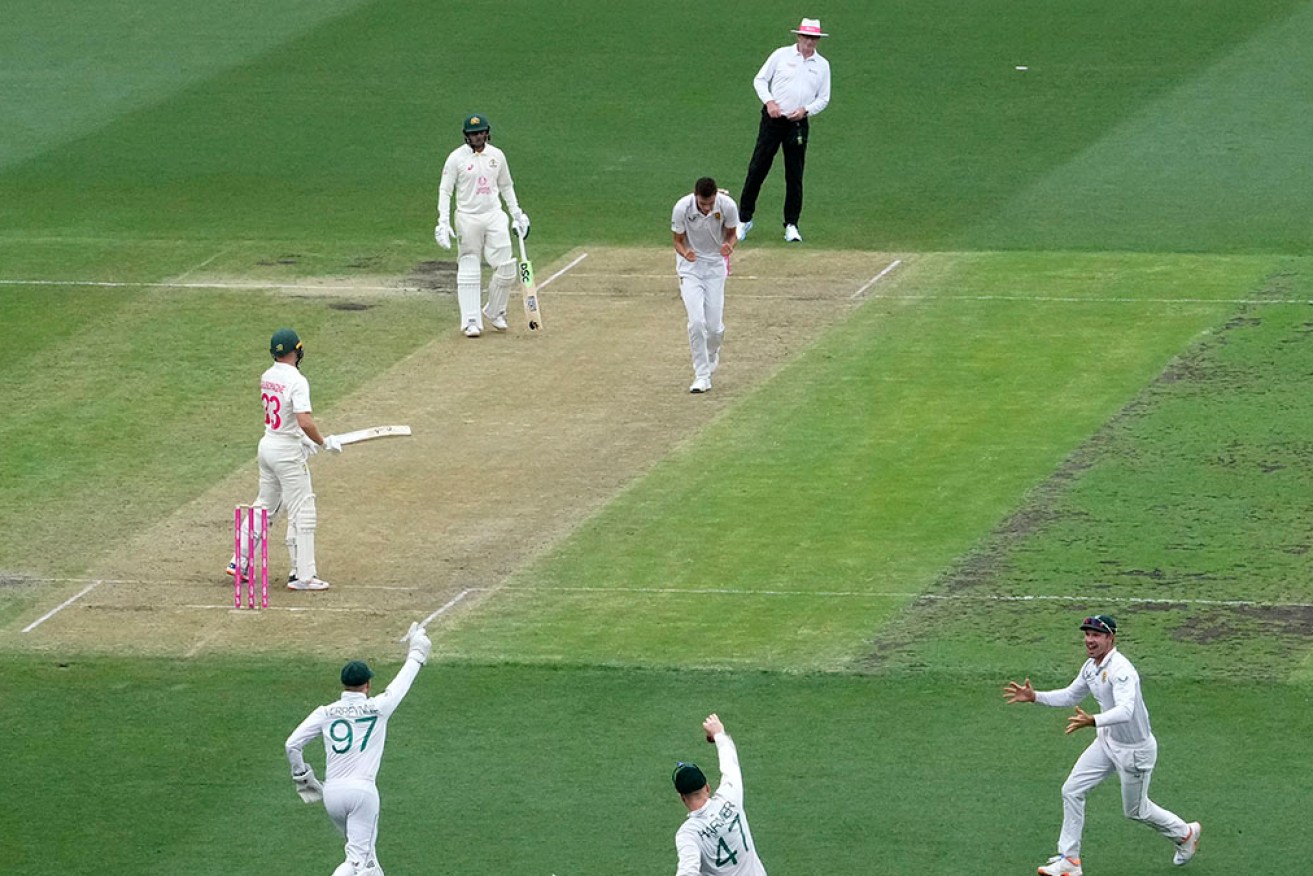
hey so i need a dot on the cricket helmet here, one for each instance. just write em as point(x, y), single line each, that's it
point(285, 341)
point(476, 123)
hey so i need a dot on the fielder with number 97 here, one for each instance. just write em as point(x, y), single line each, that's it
point(354, 730)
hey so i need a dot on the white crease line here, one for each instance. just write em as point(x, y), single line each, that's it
point(202, 264)
point(946, 597)
point(63, 605)
point(449, 603)
point(871, 282)
point(204, 640)
point(545, 283)
point(290, 608)
point(107, 284)
point(727, 591)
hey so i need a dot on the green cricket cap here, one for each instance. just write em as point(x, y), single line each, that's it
point(476, 123)
point(1100, 623)
point(283, 342)
point(688, 777)
point(356, 673)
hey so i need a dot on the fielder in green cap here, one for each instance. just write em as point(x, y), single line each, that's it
point(1123, 744)
point(715, 838)
point(354, 729)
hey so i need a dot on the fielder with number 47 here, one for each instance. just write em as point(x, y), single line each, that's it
point(354, 730)
point(715, 840)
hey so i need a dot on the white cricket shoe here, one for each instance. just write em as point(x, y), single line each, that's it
point(472, 331)
point(307, 584)
point(702, 384)
point(792, 234)
point(1060, 866)
point(498, 322)
point(744, 228)
point(1186, 848)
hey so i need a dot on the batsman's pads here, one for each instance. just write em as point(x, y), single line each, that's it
point(308, 786)
point(520, 220)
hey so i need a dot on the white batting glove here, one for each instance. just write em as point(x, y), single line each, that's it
point(442, 234)
point(333, 444)
point(308, 447)
point(520, 220)
point(420, 645)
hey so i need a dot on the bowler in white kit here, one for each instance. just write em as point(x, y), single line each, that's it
point(478, 175)
point(354, 730)
point(1123, 744)
point(704, 224)
point(715, 840)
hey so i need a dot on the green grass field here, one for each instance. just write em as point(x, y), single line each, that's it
point(1084, 389)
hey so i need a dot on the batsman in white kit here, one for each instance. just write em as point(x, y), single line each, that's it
point(291, 437)
point(478, 175)
point(716, 839)
point(354, 730)
point(1123, 744)
point(704, 225)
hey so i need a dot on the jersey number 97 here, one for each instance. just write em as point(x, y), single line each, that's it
point(344, 734)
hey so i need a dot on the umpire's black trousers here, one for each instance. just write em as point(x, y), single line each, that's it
point(771, 135)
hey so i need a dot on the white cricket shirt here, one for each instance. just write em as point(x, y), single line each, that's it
point(715, 840)
point(793, 81)
point(1115, 685)
point(354, 729)
point(478, 179)
point(284, 393)
point(705, 234)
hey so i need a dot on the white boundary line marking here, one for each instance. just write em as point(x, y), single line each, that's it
point(871, 282)
point(546, 282)
point(63, 605)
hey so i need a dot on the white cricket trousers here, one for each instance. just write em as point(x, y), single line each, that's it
point(1133, 766)
point(702, 286)
point(353, 808)
point(285, 484)
point(487, 235)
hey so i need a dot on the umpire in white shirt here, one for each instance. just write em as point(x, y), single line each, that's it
point(793, 85)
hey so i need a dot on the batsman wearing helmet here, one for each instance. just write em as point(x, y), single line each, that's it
point(477, 174)
point(290, 438)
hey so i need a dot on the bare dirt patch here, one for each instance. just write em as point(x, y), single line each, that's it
point(518, 437)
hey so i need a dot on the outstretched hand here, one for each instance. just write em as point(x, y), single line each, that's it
point(713, 725)
point(1019, 693)
point(1081, 719)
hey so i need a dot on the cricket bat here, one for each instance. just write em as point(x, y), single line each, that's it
point(372, 433)
point(531, 311)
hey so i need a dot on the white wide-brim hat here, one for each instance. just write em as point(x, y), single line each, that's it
point(810, 27)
